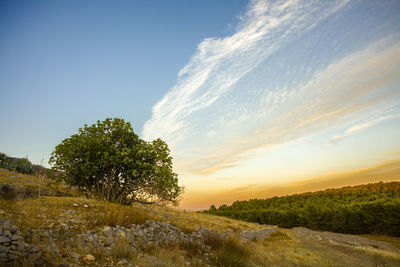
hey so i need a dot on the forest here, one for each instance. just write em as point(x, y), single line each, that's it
point(361, 209)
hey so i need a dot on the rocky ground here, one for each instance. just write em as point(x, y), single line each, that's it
point(76, 248)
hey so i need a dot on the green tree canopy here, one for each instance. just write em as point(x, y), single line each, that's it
point(107, 160)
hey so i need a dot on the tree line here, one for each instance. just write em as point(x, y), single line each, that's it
point(370, 208)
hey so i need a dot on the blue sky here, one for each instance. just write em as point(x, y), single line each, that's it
point(250, 96)
point(66, 63)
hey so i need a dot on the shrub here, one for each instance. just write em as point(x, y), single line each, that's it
point(22, 165)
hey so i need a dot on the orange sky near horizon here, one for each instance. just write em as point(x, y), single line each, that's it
point(385, 172)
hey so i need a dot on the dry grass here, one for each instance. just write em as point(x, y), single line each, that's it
point(122, 250)
point(33, 182)
point(105, 213)
point(229, 252)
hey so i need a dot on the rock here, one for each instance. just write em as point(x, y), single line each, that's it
point(4, 249)
point(89, 257)
point(86, 206)
point(75, 255)
point(6, 233)
point(14, 229)
point(64, 226)
point(22, 246)
point(123, 262)
point(4, 239)
point(121, 233)
point(107, 230)
point(107, 251)
point(36, 249)
point(15, 237)
point(257, 234)
point(75, 205)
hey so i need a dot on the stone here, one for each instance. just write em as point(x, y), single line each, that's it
point(6, 233)
point(89, 257)
point(4, 249)
point(14, 229)
point(123, 262)
point(35, 249)
point(107, 230)
point(15, 237)
point(21, 246)
point(4, 239)
point(121, 233)
point(257, 234)
point(64, 226)
point(107, 251)
point(75, 205)
point(86, 206)
point(75, 255)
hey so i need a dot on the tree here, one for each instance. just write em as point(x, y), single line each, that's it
point(107, 160)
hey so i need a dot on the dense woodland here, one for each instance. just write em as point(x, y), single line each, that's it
point(370, 208)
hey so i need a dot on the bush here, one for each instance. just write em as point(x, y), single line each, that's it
point(22, 165)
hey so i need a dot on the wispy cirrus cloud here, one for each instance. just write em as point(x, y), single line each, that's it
point(360, 127)
point(261, 86)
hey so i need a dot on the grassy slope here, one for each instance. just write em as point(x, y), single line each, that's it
point(281, 249)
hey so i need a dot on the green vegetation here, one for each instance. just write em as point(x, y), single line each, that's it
point(107, 160)
point(371, 208)
point(22, 165)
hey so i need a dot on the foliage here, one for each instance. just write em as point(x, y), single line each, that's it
point(371, 208)
point(22, 165)
point(107, 160)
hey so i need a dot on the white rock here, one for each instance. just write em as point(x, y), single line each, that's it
point(89, 257)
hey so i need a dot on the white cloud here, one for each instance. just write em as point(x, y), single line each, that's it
point(359, 127)
point(219, 63)
point(235, 96)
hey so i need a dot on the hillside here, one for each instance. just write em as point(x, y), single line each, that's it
point(362, 209)
point(59, 230)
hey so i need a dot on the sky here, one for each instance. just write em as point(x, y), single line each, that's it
point(255, 99)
